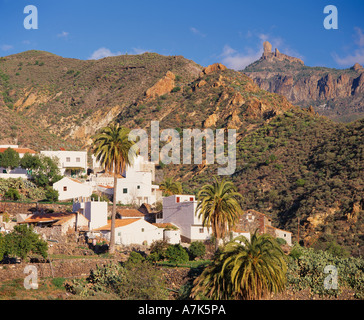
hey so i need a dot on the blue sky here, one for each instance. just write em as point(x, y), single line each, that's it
point(230, 32)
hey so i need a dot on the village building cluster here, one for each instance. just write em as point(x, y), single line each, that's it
point(176, 222)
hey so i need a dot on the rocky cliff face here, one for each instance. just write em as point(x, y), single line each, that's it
point(338, 94)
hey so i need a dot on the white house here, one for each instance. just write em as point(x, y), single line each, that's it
point(16, 172)
point(69, 188)
point(132, 231)
point(70, 163)
point(94, 211)
point(133, 187)
point(137, 185)
point(180, 211)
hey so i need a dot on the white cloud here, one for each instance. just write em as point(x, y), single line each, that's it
point(63, 34)
point(350, 60)
point(6, 47)
point(360, 37)
point(238, 61)
point(139, 51)
point(358, 53)
point(197, 32)
point(103, 53)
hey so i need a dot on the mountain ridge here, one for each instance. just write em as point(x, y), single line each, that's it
point(336, 93)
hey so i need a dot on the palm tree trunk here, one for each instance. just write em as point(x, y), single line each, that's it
point(113, 215)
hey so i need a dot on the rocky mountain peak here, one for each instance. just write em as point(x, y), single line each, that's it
point(357, 67)
point(269, 55)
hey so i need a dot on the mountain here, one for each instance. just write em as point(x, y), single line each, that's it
point(71, 98)
point(337, 94)
point(294, 165)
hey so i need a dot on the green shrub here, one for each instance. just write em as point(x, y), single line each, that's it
point(176, 89)
point(51, 194)
point(12, 194)
point(281, 241)
point(176, 254)
point(158, 248)
point(135, 257)
point(307, 270)
point(58, 282)
point(196, 250)
point(153, 257)
point(129, 281)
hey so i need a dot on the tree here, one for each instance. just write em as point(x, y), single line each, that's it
point(30, 162)
point(115, 151)
point(219, 208)
point(23, 241)
point(244, 270)
point(170, 187)
point(44, 169)
point(9, 159)
point(51, 194)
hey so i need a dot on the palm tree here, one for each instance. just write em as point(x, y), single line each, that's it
point(244, 269)
point(219, 208)
point(256, 267)
point(114, 151)
point(170, 187)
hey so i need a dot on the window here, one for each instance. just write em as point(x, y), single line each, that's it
point(119, 234)
point(125, 190)
point(68, 159)
point(78, 159)
point(138, 187)
point(201, 230)
point(64, 188)
point(142, 229)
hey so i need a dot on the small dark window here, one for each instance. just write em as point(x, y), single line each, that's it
point(142, 229)
point(64, 188)
point(78, 159)
point(68, 159)
point(201, 230)
point(138, 187)
point(125, 190)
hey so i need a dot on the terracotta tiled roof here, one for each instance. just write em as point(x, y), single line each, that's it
point(19, 150)
point(48, 217)
point(129, 213)
point(118, 223)
point(106, 187)
point(164, 225)
point(74, 180)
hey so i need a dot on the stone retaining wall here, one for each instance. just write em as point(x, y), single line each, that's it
point(61, 268)
point(13, 208)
